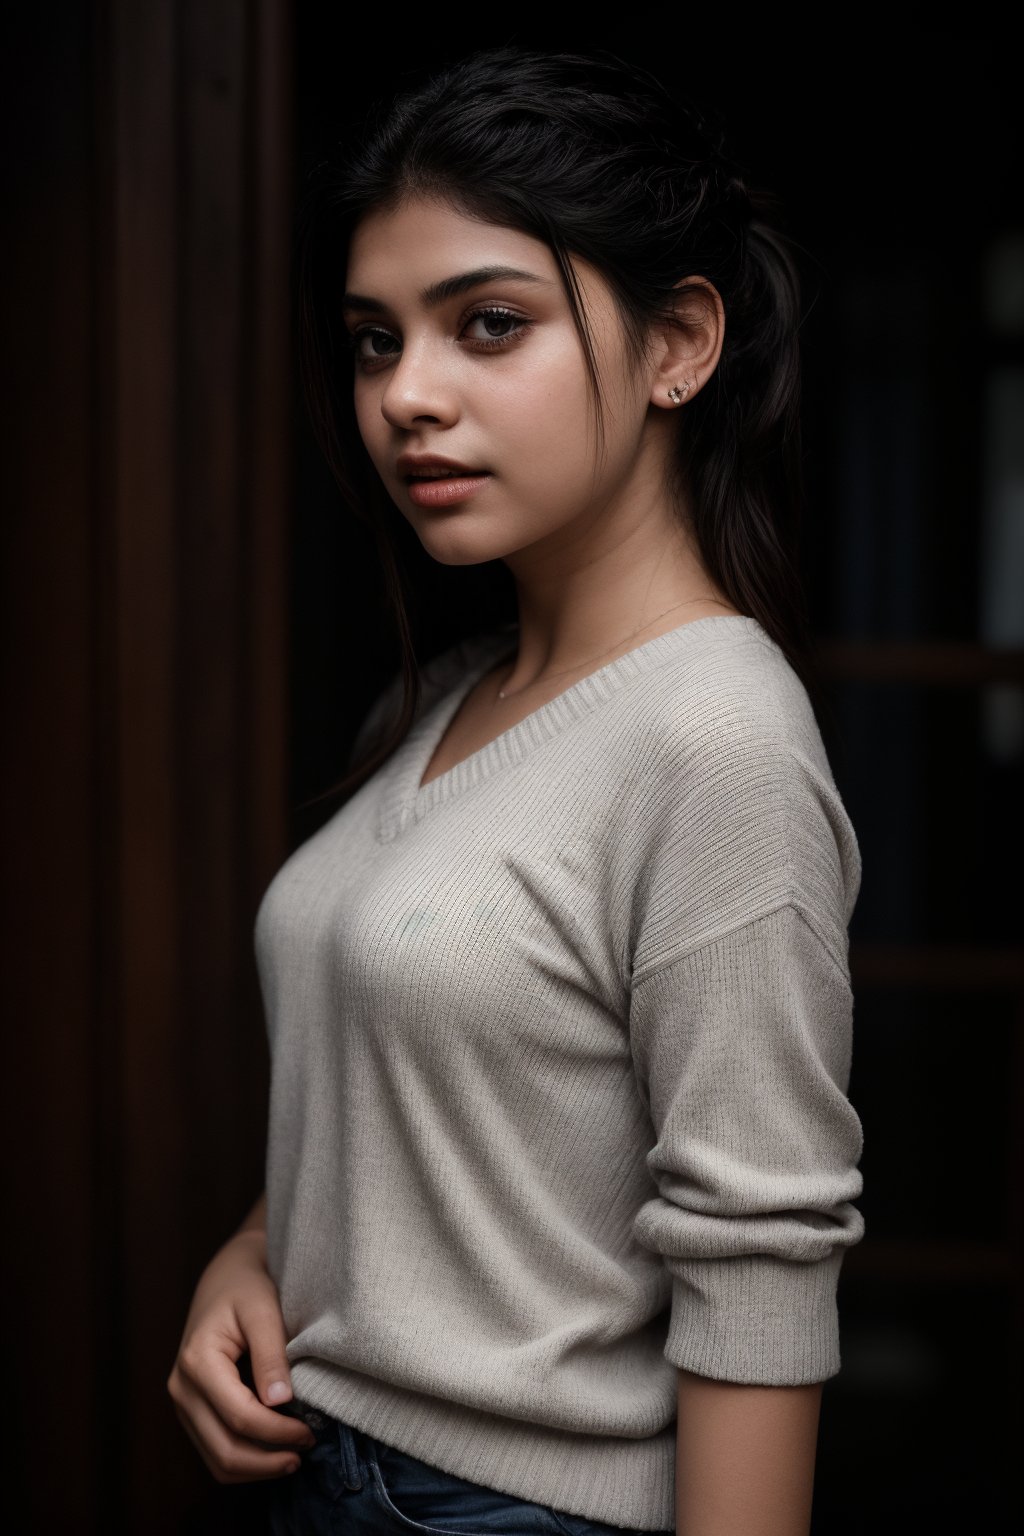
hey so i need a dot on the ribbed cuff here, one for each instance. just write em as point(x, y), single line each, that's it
point(757, 1319)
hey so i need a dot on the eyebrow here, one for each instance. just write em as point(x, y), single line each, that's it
point(446, 287)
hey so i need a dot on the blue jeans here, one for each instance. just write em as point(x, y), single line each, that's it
point(352, 1485)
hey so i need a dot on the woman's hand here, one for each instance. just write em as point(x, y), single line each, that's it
point(236, 1308)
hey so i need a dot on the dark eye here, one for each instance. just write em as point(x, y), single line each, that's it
point(497, 325)
point(378, 341)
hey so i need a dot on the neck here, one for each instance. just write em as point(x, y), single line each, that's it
point(649, 582)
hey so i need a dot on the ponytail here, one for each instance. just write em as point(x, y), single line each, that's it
point(742, 455)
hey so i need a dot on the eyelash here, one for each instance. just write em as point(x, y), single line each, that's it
point(488, 344)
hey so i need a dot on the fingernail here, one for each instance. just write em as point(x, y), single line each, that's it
point(278, 1392)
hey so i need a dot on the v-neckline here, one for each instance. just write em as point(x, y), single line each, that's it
point(406, 800)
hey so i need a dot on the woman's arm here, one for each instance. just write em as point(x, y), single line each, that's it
point(236, 1308)
point(745, 1458)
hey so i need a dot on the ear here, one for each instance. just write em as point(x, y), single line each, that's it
point(688, 347)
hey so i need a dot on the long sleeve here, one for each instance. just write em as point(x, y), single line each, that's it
point(742, 1048)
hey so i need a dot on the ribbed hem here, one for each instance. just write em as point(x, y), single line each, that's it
point(757, 1320)
point(626, 1482)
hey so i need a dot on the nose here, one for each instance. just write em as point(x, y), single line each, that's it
point(420, 387)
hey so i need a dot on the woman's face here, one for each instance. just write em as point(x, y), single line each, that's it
point(486, 371)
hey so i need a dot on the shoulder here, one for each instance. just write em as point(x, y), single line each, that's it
point(734, 693)
point(719, 724)
point(735, 809)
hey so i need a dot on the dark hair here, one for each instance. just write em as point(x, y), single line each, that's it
point(595, 157)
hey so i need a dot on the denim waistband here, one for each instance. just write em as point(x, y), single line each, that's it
point(355, 1450)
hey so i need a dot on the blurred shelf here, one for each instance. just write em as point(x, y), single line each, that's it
point(923, 1263)
point(940, 663)
point(931, 966)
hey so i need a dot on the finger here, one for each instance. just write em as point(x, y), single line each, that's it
point(262, 1324)
point(211, 1374)
point(229, 1457)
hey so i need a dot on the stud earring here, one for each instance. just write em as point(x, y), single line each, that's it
point(676, 396)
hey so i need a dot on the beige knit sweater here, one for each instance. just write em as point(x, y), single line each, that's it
point(560, 1048)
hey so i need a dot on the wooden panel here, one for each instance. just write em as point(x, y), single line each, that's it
point(934, 1263)
point(940, 967)
point(147, 591)
point(944, 664)
point(202, 484)
point(55, 1252)
point(144, 612)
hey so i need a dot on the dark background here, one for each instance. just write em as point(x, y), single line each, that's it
point(193, 629)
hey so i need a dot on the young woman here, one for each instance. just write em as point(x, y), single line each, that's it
point(560, 1160)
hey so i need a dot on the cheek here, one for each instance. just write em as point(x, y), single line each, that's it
point(541, 410)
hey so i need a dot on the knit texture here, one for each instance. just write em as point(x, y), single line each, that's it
point(560, 1045)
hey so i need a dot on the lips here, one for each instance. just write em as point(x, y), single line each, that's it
point(414, 467)
point(448, 490)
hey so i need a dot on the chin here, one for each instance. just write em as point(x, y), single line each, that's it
point(459, 544)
